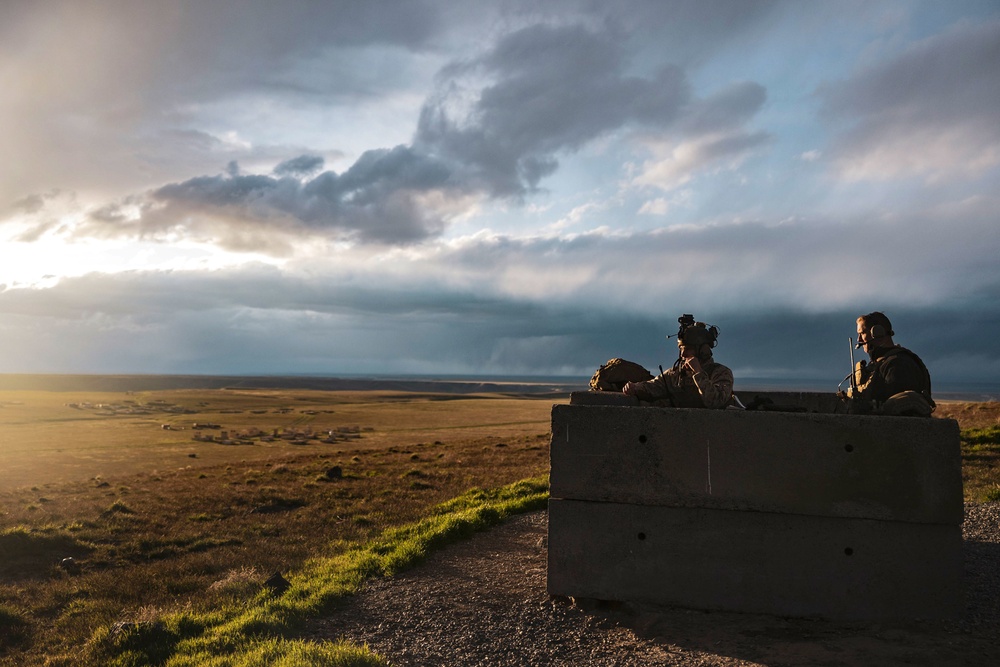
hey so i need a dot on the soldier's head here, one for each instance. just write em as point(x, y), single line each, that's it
point(697, 340)
point(874, 331)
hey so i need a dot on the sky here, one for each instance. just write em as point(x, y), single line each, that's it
point(498, 187)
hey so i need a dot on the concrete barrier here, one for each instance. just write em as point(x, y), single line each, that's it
point(791, 513)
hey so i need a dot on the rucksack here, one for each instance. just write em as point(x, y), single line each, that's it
point(613, 375)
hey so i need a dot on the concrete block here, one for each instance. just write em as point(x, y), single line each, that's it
point(886, 468)
point(781, 564)
point(770, 401)
point(601, 398)
point(791, 401)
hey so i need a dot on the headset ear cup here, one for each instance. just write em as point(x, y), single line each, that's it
point(878, 331)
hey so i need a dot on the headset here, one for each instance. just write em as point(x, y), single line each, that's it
point(876, 331)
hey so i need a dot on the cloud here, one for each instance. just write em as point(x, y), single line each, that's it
point(678, 164)
point(725, 110)
point(36, 215)
point(495, 127)
point(802, 265)
point(385, 197)
point(710, 135)
point(96, 98)
point(930, 112)
point(541, 91)
point(304, 165)
point(479, 306)
point(32, 203)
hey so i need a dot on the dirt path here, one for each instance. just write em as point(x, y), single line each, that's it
point(483, 602)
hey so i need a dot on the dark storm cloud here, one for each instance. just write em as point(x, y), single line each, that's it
point(304, 165)
point(225, 322)
point(933, 106)
point(551, 90)
point(375, 200)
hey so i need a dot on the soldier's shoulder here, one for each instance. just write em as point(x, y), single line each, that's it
point(714, 367)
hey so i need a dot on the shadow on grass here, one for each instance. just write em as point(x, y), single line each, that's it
point(243, 634)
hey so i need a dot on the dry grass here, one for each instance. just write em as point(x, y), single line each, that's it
point(209, 532)
point(970, 415)
point(45, 440)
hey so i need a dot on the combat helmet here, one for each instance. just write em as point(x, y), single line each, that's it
point(698, 334)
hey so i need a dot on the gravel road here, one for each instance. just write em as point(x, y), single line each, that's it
point(483, 603)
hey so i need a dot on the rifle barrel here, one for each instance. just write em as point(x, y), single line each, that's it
point(854, 379)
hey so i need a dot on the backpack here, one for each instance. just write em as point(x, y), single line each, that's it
point(613, 375)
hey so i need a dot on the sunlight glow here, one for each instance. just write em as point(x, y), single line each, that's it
point(42, 262)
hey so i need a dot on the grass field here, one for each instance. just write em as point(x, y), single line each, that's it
point(54, 437)
point(179, 535)
point(155, 521)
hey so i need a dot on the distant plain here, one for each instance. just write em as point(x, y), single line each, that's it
point(51, 437)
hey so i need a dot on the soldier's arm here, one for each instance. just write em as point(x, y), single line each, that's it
point(716, 389)
point(650, 390)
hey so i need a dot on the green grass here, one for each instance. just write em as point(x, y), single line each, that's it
point(241, 635)
point(981, 463)
point(987, 438)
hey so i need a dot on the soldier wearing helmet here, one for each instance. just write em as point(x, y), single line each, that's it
point(896, 381)
point(696, 380)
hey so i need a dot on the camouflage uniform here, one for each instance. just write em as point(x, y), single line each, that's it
point(711, 387)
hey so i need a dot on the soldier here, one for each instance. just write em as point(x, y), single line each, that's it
point(696, 380)
point(896, 382)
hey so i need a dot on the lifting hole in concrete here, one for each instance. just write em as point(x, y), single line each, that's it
point(642, 439)
point(848, 448)
point(641, 536)
point(848, 551)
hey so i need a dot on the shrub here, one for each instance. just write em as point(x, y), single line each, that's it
point(117, 507)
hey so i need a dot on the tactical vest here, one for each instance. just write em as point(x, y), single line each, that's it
point(897, 350)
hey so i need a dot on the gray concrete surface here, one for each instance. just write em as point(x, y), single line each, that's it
point(891, 468)
point(759, 562)
point(799, 513)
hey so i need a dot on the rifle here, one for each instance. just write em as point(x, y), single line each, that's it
point(854, 402)
point(854, 375)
